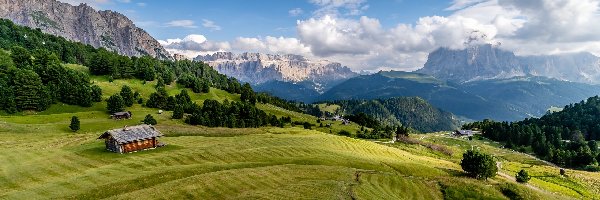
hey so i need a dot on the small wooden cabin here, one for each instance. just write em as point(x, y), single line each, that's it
point(121, 115)
point(131, 139)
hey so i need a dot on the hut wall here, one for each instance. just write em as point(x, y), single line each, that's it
point(112, 145)
point(139, 145)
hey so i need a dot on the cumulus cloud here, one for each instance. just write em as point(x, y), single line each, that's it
point(275, 45)
point(334, 32)
point(211, 25)
point(194, 45)
point(182, 23)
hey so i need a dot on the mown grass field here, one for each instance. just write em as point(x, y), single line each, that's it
point(42, 159)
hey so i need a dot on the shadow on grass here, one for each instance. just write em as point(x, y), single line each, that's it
point(96, 150)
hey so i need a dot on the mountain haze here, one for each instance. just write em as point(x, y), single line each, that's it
point(500, 99)
point(482, 62)
point(82, 23)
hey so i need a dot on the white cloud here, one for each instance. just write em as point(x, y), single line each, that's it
point(274, 45)
point(210, 25)
point(141, 4)
point(295, 12)
point(194, 45)
point(182, 23)
point(362, 43)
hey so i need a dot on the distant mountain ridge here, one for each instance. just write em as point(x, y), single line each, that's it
point(82, 23)
point(259, 68)
point(500, 99)
point(484, 62)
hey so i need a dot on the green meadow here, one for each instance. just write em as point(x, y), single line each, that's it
point(42, 159)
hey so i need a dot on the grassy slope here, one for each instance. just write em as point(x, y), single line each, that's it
point(41, 158)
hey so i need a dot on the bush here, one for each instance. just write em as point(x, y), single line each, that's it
point(592, 168)
point(478, 165)
point(344, 133)
point(75, 125)
point(522, 176)
point(307, 125)
point(149, 120)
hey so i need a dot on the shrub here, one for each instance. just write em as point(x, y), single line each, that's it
point(149, 120)
point(75, 124)
point(478, 165)
point(115, 103)
point(522, 176)
point(344, 133)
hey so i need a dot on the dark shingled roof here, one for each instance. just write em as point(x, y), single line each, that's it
point(133, 133)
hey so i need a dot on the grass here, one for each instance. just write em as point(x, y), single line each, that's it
point(42, 159)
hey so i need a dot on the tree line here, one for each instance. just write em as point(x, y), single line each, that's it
point(33, 77)
point(566, 138)
point(35, 80)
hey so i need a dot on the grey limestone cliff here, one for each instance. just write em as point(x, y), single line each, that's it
point(82, 23)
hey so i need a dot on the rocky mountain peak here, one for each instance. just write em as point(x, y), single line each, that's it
point(82, 23)
point(481, 62)
point(257, 68)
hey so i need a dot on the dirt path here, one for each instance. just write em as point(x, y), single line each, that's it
point(514, 179)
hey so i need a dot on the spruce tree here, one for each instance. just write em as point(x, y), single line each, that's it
point(75, 124)
point(178, 112)
point(115, 104)
point(96, 93)
point(127, 95)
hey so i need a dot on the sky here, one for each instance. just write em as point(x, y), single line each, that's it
point(368, 35)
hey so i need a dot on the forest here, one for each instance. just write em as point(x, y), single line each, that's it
point(33, 77)
point(566, 138)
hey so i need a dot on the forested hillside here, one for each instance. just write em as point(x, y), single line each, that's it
point(412, 112)
point(33, 77)
point(566, 138)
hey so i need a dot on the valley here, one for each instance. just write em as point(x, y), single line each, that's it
point(131, 99)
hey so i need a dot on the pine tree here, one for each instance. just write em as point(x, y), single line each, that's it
point(178, 112)
point(75, 124)
point(127, 95)
point(115, 103)
point(96, 93)
point(28, 89)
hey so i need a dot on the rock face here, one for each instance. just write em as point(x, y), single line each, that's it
point(485, 62)
point(258, 68)
point(82, 23)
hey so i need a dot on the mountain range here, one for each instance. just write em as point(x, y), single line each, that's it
point(82, 23)
point(275, 73)
point(483, 62)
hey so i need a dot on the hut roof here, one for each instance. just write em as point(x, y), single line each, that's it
point(133, 133)
point(121, 113)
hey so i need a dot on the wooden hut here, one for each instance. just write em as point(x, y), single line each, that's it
point(121, 115)
point(131, 139)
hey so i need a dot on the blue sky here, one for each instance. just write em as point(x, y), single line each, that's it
point(364, 34)
point(254, 18)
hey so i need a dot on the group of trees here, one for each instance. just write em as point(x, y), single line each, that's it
point(232, 115)
point(35, 80)
point(566, 138)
